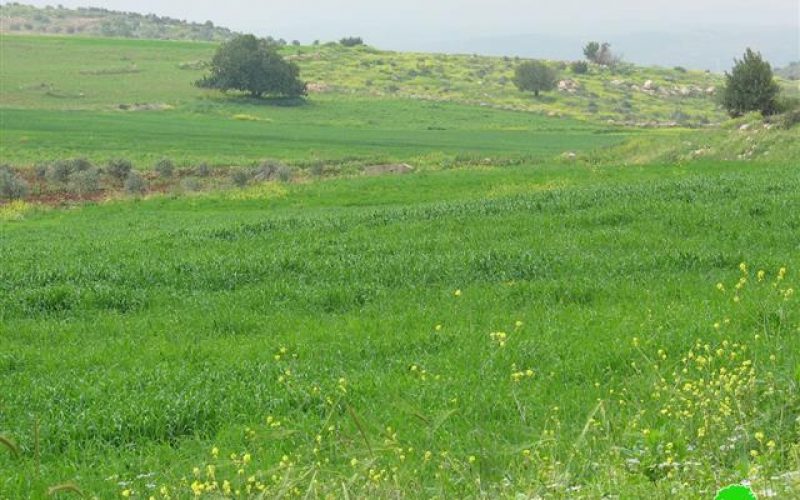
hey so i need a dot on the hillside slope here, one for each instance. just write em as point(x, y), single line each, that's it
point(91, 21)
point(104, 72)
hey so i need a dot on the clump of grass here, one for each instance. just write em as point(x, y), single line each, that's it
point(10, 445)
point(65, 488)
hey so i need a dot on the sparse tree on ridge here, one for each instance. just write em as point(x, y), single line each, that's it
point(590, 51)
point(253, 65)
point(601, 54)
point(535, 76)
point(750, 86)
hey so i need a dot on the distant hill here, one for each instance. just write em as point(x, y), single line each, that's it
point(790, 72)
point(91, 21)
point(713, 48)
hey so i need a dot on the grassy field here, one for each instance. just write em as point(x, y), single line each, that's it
point(327, 129)
point(458, 333)
point(507, 321)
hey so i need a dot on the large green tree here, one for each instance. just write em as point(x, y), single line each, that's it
point(535, 76)
point(253, 65)
point(750, 86)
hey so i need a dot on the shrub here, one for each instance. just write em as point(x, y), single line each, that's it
point(284, 174)
point(119, 168)
point(85, 181)
point(59, 172)
point(41, 171)
point(165, 168)
point(80, 164)
point(134, 183)
point(12, 186)
point(680, 69)
point(190, 184)
point(271, 170)
point(579, 67)
point(203, 170)
point(240, 177)
point(789, 119)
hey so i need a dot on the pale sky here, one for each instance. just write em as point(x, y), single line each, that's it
point(428, 24)
point(389, 22)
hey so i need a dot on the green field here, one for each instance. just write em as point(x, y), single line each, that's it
point(326, 129)
point(141, 335)
point(505, 322)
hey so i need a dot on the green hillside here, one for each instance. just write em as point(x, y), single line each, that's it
point(93, 21)
point(591, 294)
point(86, 73)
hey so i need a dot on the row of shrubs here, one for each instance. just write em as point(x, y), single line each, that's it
point(80, 177)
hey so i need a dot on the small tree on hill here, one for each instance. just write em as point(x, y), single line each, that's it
point(253, 65)
point(601, 54)
point(750, 86)
point(590, 51)
point(351, 41)
point(535, 76)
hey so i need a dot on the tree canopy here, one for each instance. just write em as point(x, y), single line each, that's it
point(750, 86)
point(253, 65)
point(535, 76)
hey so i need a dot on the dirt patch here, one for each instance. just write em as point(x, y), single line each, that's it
point(396, 168)
point(143, 106)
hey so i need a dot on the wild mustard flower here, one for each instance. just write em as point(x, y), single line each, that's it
point(499, 338)
point(457, 293)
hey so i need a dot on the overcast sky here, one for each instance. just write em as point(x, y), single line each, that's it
point(430, 24)
point(391, 22)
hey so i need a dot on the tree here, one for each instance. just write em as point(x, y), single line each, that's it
point(750, 86)
point(535, 76)
point(351, 41)
point(601, 54)
point(590, 51)
point(605, 57)
point(253, 65)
